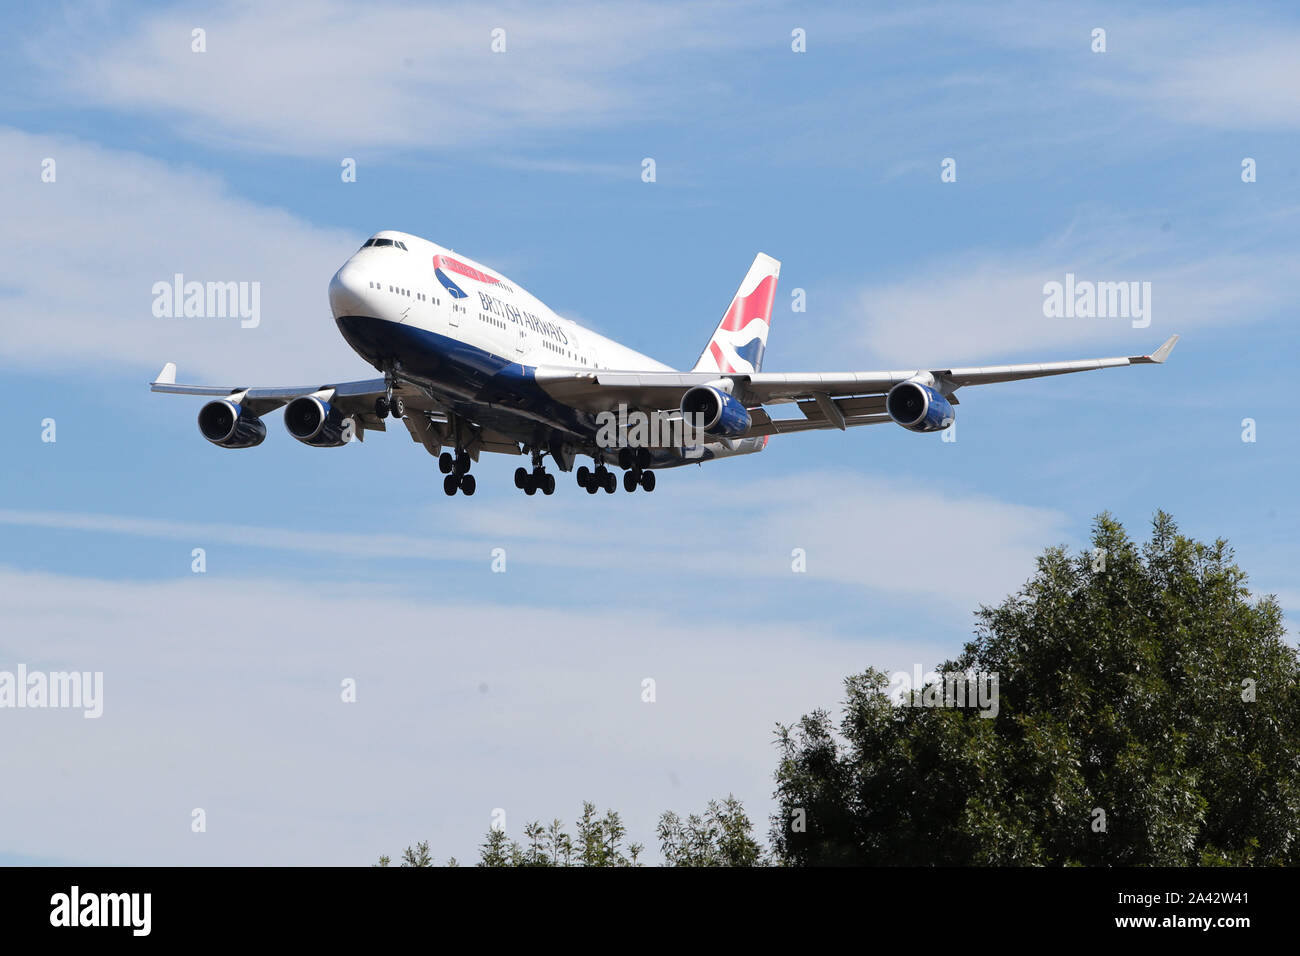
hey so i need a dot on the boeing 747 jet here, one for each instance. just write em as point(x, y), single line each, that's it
point(472, 363)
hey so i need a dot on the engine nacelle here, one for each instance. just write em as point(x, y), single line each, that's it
point(719, 412)
point(314, 422)
point(919, 408)
point(227, 425)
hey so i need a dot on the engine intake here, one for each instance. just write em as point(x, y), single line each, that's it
point(719, 413)
point(226, 425)
point(919, 408)
point(314, 422)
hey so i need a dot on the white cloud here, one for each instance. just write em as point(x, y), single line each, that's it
point(225, 695)
point(85, 252)
point(973, 308)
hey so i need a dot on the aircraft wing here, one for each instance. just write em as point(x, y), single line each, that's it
point(827, 399)
point(352, 398)
point(356, 399)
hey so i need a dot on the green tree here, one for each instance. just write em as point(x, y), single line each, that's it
point(721, 837)
point(417, 855)
point(598, 842)
point(1148, 713)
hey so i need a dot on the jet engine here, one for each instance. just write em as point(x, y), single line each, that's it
point(314, 421)
point(720, 413)
point(919, 408)
point(226, 424)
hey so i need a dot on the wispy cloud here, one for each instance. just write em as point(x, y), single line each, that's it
point(976, 306)
point(861, 535)
point(276, 78)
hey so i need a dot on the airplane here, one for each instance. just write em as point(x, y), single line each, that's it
point(473, 363)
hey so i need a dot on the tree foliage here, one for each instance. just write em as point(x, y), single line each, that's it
point(1149, 713)
point(721, 837)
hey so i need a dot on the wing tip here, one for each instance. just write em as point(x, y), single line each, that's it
point(1159, 355)
point(167, 376)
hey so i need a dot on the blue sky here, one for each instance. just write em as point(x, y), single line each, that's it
point(522, 690)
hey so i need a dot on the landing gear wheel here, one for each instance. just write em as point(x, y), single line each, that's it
point(584, 476)
point(446, 463)
point(381, 407)
point(625, 458)
point(450, 484)
point(530, 486)
point(610, 482)
point(648, 480)
point(398, 407)
point(629, 481)
point(548, 484)
point(468, 484)
point(521, 476)
point(593, 485)
point(462, 465)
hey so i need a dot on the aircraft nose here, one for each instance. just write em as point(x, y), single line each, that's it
point(348, 291)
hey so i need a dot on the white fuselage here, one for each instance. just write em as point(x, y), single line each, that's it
point(479, 307)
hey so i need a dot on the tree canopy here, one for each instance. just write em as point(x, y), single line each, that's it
point(1147, 714)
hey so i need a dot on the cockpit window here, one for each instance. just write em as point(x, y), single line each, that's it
point(401, 245)
point(383, 242)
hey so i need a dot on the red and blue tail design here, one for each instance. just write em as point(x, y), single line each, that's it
point(741, 337)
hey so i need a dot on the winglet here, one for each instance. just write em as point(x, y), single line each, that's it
point(167, 376)
point(1159, 355)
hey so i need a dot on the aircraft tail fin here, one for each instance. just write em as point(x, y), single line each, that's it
point(740, 339)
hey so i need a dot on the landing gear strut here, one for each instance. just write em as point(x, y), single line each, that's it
point(536, 480)
point(594, 480)
point(388, 403)
point(457, 472)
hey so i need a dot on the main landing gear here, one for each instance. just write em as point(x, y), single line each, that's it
point(595, 480)
point(536, 480)
point(636, 461)
point(602, 477)
point(457, 471)
point(389, 405)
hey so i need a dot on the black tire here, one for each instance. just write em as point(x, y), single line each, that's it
point(530, 486)
point(446, 463)
point(648, 480)
point(625, 458)
point(521, 476)
point(381, 407)
point(642, 458)
point(584, 476)
point(462, 465)
point(592, 485)
point(468, 485)
point(629, 481)
point(610, 482)
point(398, 408)
point(548, 485)
point(450, 484)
